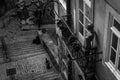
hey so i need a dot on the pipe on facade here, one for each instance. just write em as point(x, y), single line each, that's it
point(93, 12)
point(69, 16)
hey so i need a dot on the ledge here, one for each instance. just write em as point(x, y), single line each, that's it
point(112, 69)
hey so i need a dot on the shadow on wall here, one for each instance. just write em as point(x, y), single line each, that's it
point(97, 40)
point(3, 7)
point(6, 5)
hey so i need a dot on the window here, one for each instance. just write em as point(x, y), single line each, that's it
point(11, 71)
point(114, 58)
point(111, 46)
point(63, 2)
point(85, 15)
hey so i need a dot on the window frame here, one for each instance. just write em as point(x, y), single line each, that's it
point(110, 14)
point(85, 19)
point(116, 51)
point(109, 63)
point(63, 2)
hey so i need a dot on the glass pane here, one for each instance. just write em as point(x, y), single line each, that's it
point(87, 22)
point(81, 4)
point(119, 65)
point(119, 47)
point(86, 32)
point(81, 28)
point(81, 16)
point(88, 12)
point(113, 56)
point(114, 41)
point(117, 25)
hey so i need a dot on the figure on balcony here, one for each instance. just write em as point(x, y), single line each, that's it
point(90, 36)
point(88, 42)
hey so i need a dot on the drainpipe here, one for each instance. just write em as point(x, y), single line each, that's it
point(93, 12)
point(70, 71)
point(69, 16)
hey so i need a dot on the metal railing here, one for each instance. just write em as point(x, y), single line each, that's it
point(78, 56)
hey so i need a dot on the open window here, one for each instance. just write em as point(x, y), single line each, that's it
point(85, 15)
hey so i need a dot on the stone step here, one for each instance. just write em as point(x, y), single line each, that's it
point(51, 76)
point(20, 43)
point(19, 57)
point(25, 47)
point(45, 75)
point(34, 65)
point(25, 51)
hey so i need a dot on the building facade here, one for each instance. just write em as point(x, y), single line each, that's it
point(104, 14)
point(70, 24)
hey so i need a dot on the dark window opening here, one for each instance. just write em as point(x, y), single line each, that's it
point(11, 71)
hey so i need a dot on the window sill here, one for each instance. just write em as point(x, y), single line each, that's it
point(112, 69)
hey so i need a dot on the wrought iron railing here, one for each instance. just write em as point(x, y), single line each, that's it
point(74, 48)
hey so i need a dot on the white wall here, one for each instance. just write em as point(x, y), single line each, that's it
point(115, 4)
point(103, 71)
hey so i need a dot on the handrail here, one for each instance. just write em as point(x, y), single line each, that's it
point(65, 27)
point(57, 67)
point(55, 1)
point(50, 54)
point(74, 59)
point(64, 22)
point(61, 18)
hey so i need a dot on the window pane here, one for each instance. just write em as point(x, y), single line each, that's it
point(86, 32)
point(81, 28)
point(119, 65)
point(88, 12)
point(113, 56)
point(114, 41)
point(81, 4)
point(119, 47)
point(81, 16)
point(117, 25)
point(87, 22)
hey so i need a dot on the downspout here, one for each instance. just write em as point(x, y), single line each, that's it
point(69, 16)
point(69, 22)
point(93, 12)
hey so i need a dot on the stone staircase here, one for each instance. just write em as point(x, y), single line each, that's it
point(23, 49)
point(27, 58)
point(29, 61)
point(51, 75)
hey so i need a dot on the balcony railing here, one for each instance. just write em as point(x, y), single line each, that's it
point(73, 46)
